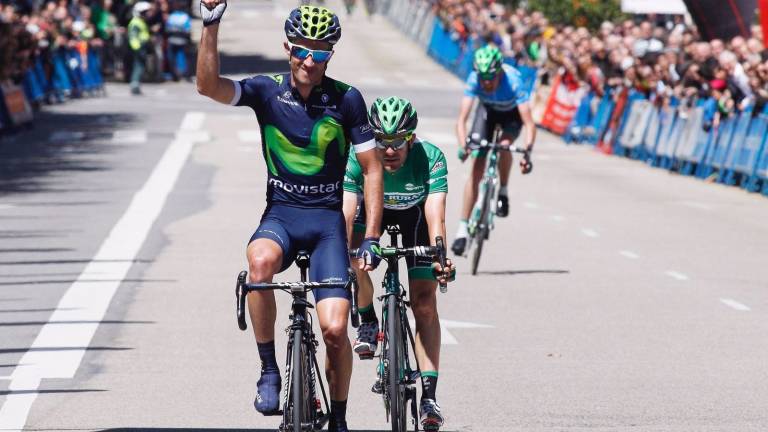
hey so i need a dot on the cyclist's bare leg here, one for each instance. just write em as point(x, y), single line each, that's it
point(333, 316)
point(470, 189)
point(505, 160)
point(265, 258)
point(424, 307)
point(364, 283)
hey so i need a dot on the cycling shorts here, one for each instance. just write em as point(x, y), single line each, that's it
point(321, 232)
point(487, 120)
point(413, 231)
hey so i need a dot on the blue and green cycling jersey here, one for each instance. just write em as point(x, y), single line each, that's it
point(508, 95)
point(306, 143)
point(424, 172)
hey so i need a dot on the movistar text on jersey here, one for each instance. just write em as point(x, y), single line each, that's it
point(305, 189)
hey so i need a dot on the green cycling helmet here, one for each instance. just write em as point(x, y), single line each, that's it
point(392, 116)
point(313, 23)
point(488, 60)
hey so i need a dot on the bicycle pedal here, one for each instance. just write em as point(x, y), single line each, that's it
point(366, 356)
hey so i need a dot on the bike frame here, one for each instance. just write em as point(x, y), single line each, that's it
point(301, 320)
point(486, 192)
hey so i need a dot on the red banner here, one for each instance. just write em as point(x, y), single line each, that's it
point(561, 107)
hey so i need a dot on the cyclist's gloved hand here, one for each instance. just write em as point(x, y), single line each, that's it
point(211, 11)
point(447, 274)
point(526, 166)
point(370, 252)
point(463, 154)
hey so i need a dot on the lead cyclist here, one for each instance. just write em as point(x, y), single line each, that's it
point(308, 124)
point(415, 189)
point(503, 103)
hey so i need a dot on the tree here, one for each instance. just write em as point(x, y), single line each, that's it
point(588, 13)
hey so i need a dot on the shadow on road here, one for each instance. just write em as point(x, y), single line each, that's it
point(40, 323)
point(71, 261)
point(521, 272)
point(20, 392)
point(236, 64)
point(30, 160)
point(139, 429)
point(45, 349)
point(70, 281)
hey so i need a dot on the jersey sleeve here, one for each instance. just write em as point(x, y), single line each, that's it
point(470, 87)
point(251, 92)
point(356, 117)
point(518, 85)
point(353, 177)
point(438, 170)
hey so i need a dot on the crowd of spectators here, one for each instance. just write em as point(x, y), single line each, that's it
point(32, 30)
point(660, 56)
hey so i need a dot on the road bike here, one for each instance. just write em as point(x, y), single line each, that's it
point(396, 374)
point(480, 221)
point(302, 410)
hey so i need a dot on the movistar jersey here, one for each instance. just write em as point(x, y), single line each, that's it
point(424, 172)
point(509, 94)
point(306, 143)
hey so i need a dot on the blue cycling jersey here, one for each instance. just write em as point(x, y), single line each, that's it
point(306, 143)
point(508, 95)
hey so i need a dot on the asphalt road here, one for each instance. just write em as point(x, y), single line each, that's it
point(616, 297)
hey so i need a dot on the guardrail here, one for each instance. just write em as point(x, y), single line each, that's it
point(71, 74)
point(622, 122)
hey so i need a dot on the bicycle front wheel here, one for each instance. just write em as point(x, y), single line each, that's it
point(395, 367)
point(301, 405)
point(481, 233)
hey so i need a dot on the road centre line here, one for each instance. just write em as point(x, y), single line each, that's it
point(557, 218)
point(736, 305)
point(677, 275)
point(629, 254)
point(249, 135)
point(84, 304)
point(530, 205)
point(590, 232)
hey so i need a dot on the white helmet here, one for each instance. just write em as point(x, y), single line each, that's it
point(141, 7)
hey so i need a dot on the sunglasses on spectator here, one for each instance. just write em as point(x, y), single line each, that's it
point(301, 53)
point(395, 143)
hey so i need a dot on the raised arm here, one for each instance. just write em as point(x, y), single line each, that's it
point(461, 123)
point(209, 83)
point(349, 207)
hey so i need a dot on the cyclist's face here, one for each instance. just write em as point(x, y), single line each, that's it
point(489, 85)
point(394, 159)
point(307, 71)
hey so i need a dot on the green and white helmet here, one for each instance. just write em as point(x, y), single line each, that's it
point(313, 23)
point(392, 116)
point(488, 60)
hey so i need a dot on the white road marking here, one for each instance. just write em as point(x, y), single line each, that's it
point(6, 206)
point(589, 232)
point(677, 275)
point(446, 338)
point(129, 136)
point(530, 205)
point(557, 218)
point(77, 316)
point(736, 305)
point(192, 121)
point(249, 135)
point(543, 157)
point(66, 136)
point(629, 254)
point(161, 92)
point(246, 149)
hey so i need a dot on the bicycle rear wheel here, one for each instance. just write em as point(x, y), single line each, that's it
point(395, 366)
point(301, 405)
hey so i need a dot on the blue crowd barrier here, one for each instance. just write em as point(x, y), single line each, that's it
point(744, 157)
point(443, 48)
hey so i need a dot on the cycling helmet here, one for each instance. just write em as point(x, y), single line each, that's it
point(488, 60)
point(392, 116)
point(313, 23)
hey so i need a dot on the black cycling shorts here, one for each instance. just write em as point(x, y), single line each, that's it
point(487, 119)
point(414, 231)
point(320, 232)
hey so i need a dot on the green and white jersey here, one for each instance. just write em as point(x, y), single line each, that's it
point(424, 172)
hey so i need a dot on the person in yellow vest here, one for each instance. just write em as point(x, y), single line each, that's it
point(138, 40)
